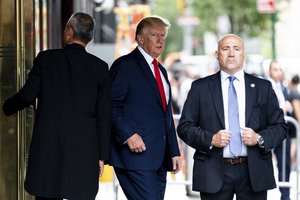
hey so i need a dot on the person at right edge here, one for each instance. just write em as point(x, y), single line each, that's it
point(233, 121)
point(276, 76)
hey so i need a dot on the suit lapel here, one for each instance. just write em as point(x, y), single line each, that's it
point(148, 74)
point(217, 97)
point(216, 92)
point(169, 111)
point(164, 72)
point(250, 96)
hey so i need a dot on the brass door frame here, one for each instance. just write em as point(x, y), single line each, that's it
point(17, 51)
point(24, 55)
point(20, 65)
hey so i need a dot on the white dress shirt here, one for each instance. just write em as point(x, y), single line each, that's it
point(239, 84)
point(279, 93)
point(149, 60)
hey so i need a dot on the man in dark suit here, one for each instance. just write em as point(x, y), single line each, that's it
point(71, 135)
point(233, 121)
point(144, 143)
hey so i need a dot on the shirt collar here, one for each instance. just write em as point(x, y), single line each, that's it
point(147, 57)
point(239, 76)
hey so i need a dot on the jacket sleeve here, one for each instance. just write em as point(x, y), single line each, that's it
point(189, 129)
point(276, 128)
point(104, 114)
point(122, 126)
point(29, 92)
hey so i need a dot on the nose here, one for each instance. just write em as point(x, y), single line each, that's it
point(231, 52)
point(160, 39)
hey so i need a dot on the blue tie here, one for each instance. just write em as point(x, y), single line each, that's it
point(233, 119)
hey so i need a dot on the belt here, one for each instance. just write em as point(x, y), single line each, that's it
point(235, 160)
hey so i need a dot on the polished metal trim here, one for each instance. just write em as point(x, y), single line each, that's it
point(7, 51)
point(20, 69)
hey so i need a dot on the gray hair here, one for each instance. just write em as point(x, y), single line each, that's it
point(152, 21)
point(83, 26)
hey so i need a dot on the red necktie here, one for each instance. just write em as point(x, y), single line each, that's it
point(160, 84)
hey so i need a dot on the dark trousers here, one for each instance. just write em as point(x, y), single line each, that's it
point(285, 192)
point(43, 198)
point(236, 182)
point(144, 184)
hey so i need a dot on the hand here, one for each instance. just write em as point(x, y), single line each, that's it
point(176, 164)
point(221, 138)
point(101, 167)
point(249, 137)
point(287, 107)
point(136, 143)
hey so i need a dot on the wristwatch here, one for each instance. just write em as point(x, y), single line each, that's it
point(260, 141)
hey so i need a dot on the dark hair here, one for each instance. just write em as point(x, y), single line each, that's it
point(152, 21)
point(83, 26)
point(295, 80)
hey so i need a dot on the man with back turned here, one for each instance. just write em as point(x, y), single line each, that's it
point(71, 134)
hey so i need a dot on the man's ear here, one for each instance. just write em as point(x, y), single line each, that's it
point(140, 39)
point(69, 34)
point(216, 54)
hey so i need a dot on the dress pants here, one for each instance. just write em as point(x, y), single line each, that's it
point(236, 182)
point(142, 184)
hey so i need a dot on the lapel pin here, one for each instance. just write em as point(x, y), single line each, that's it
point(252, 85)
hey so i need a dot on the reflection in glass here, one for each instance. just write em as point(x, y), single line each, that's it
point(8, 125)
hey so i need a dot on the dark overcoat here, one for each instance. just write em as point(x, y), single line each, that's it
point(72, 124)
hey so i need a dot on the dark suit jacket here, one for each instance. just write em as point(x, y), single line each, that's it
point(203, 116)
point(72, 125)
point(137, 108)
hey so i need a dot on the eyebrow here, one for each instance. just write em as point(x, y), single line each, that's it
point(231, 46)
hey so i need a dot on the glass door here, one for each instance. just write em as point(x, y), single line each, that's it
point(17, 50)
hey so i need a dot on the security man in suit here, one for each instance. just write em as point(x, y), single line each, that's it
point(144, 143)
point(233, 121)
